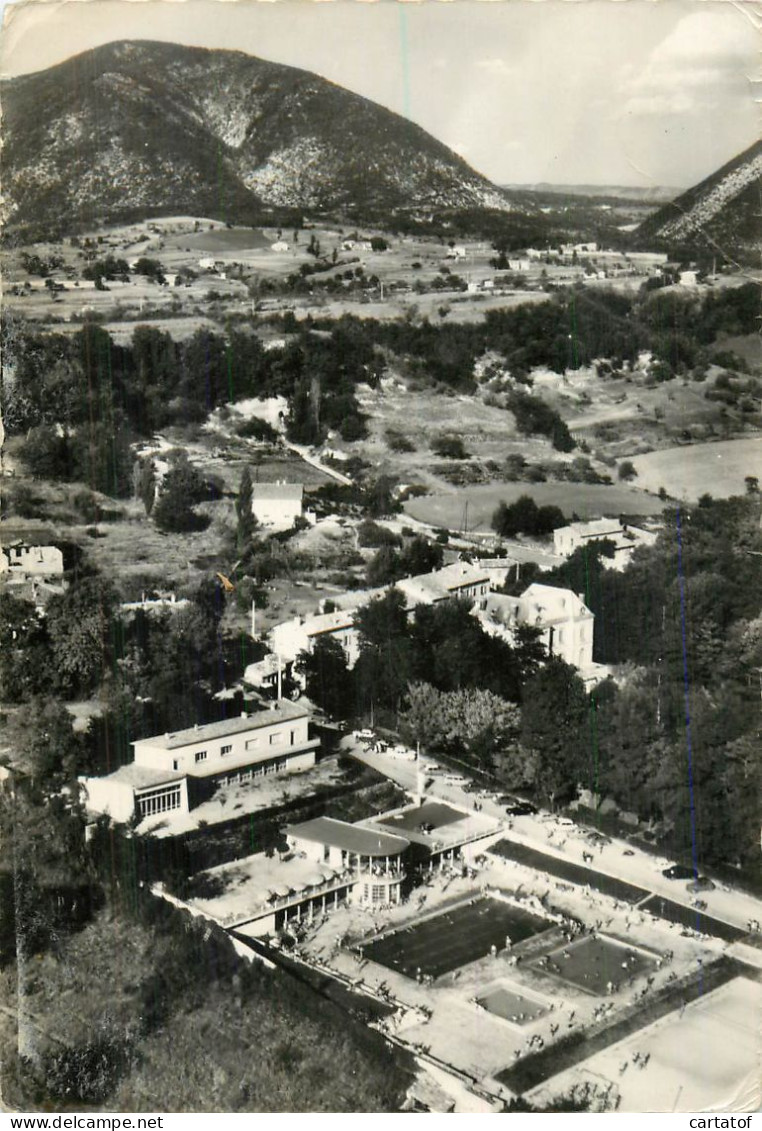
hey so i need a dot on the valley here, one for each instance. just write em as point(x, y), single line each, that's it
point(380, 601)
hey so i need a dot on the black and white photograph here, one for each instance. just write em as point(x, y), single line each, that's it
point(381, 557)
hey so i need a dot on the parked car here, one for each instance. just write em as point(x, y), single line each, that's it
point(598, 838)
point(521, 809)
point(364, 735)
point(678, 872)
point(701, 883)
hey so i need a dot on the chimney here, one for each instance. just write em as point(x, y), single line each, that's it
point(244, 715)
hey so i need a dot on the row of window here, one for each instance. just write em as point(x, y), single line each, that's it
point(251, 744)
point(160, 801)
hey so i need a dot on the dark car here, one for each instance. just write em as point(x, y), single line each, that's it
point(521, 809)
point(678, 872)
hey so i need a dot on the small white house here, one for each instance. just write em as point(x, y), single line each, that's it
point(277, 504)
point(279, 245)
point(456, 252)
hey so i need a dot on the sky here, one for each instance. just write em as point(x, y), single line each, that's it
point(620, 92)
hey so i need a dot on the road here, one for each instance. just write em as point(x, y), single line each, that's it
point(546, 834)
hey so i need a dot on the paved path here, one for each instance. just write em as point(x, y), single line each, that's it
point(313, 461)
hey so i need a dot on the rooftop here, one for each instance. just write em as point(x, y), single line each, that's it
point(442, 583)
point(284, 491)
point(283, 712)
point(351, 838)
point(141, 777)
point(596, 528)
point(552, 601)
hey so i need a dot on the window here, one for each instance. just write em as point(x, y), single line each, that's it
point(276, 739)
point(251, 743)
point(175, 764)
point(200, 755)
point(225, 749)
point(158, 801)
point(293, 737)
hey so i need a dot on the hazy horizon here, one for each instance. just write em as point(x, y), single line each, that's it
point(636, 95)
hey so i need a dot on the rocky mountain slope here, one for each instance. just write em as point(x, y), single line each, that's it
point(725, 209)
point(153, 128)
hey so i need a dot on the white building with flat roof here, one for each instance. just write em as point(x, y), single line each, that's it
point(174, 770)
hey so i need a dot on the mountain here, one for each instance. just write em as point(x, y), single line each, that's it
point(723, 210)
point(138, 128)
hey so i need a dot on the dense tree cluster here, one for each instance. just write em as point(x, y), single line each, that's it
point(525, 517)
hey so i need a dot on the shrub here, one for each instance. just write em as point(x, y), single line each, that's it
point(449, 447)
point(256, 429)
point(398, 442)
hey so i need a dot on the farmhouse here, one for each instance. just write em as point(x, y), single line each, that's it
point(178, 770)
point(277, 504)
point(566, 539)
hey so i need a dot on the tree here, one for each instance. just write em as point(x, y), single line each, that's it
point(555, 727)
point(627, 470)
point(53, 747)
point(384, 667)
point(25, 659)
point(243, 508)
point(80, 623)
point(422, 721)
point(525, 517)
point(181, 488)
point(326, 675)
point(470, 722)
point(146, 484)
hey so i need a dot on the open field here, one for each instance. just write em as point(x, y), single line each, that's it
point(689, 472)
point(585, 500)
point(454, 938)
